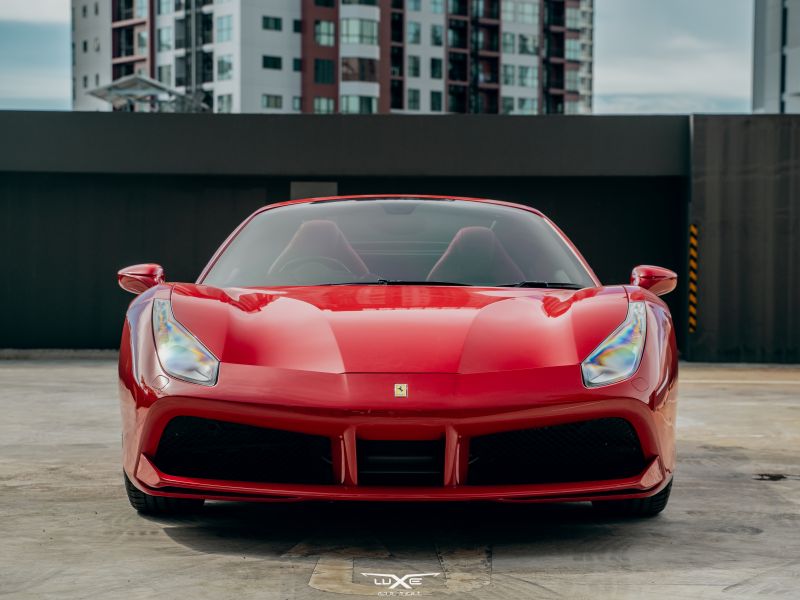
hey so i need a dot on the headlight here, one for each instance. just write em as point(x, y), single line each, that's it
point(618, 357)
point(180, 353)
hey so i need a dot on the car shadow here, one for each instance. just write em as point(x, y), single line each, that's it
point(386, 529)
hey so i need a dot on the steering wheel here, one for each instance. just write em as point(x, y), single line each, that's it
point(331, 263)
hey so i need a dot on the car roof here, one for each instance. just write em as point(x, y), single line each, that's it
point(400, 197)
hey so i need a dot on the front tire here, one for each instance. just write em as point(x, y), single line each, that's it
point(635, 507)
point(160, 505)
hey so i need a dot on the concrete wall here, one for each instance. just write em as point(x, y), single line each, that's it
point(746, 206)
point(82, 195)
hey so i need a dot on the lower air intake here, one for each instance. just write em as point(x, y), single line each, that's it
point(584, 451)
point(209, 449)
point(401, 463)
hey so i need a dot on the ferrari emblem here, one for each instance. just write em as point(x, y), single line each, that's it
point(401, 390)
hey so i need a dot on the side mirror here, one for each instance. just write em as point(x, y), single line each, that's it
point(138, 278)
point(658, 280)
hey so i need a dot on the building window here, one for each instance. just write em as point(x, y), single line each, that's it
point(413, 5)
point(325, 33)
point(527, 77)
point(85, 46)
point(225, 67)
point(572, 49)
point(272, 23)
point(509, 43)
point(359, 31)
point(297, 65)
point(527, 12)
point(164, 39)
point(97, 44)
point(508, 75)
point(224, 28)
point(225, 103)
point(325, 3)
point(359, 69)
point(414, 32)
point(96, 8)
point(527, 44)
point(272, 62)
point(271, 101)
point(85, 82)
point(413, 66)
point(573, 18)
point(96, 80)
point(507, 105)
point(141, 43)
point(437, 35)
point(457, 34)
point(413, 99)
point(141, 8)
point(165, 7)
point(437, 7)
point(436, 101)
point(297, 26)
point(358, 104)
point(436, 68)
point(84, 11)
point(509, 11)
point(164, 74)
point(572, 108)
point(323, 106)
point(571, 80)
point(324, 70)
point(297, 103)
point(527, 106)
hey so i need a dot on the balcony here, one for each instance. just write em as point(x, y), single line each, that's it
point(486, 9)
point(459, 7)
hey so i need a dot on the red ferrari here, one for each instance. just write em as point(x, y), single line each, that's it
point(411, 348)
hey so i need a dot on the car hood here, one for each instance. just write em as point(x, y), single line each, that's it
point(400, 329)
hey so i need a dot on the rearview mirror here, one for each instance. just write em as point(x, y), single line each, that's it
point(658, 280)
point(138, 278)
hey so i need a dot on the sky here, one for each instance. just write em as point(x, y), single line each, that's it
point(651, 56)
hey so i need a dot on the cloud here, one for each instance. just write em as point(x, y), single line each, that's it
point(35, 10)
point(679, 56)
point(34, 65)
point(47, 84)
point(668, 104)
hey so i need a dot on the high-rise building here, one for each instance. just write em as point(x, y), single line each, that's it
point(350, 56)
point(776, 56)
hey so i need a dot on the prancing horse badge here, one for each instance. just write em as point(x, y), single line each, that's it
point(401, 390)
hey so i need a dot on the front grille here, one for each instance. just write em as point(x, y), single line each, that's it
point(584, 451)
point(401, 463)
point(209, 449)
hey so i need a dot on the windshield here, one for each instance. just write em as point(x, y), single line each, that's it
point(390, 240)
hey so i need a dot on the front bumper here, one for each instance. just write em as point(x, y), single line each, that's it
point(351, 410)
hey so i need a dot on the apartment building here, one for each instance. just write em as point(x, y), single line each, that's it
point(348, 56)
point(776, 57)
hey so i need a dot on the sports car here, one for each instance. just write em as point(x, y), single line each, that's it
point(398, 348)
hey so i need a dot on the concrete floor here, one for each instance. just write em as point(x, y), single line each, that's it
point(67, 531)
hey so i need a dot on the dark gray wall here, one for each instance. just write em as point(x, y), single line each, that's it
point(82, 195)
point(746, 204)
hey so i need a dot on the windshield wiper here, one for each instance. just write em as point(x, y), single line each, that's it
point(545, 284)
point(411, 282)
point(397, 282)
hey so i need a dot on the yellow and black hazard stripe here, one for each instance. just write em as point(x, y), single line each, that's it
point(693, 267)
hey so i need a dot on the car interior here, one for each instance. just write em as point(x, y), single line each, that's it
point(396, 241)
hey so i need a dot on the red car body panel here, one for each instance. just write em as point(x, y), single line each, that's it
point(323, 360)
